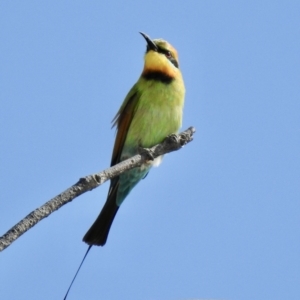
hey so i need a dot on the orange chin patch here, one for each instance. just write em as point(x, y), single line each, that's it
point(157, 62)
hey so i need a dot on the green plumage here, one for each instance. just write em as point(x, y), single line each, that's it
point(158, 112)
point(151, 111)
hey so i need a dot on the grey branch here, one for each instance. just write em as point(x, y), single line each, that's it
point(171, 143)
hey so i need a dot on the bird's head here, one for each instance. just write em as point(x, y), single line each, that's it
point(160, 57)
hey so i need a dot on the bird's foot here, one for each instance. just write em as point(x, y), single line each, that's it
point(146, 152)
point(173, 138)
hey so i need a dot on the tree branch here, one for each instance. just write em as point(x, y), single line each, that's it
point(171, 143)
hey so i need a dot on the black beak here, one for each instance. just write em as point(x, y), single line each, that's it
point(150, 43)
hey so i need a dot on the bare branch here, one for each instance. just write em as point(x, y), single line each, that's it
point(171, 143)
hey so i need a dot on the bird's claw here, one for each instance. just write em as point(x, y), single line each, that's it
point(173, 138)
point(146, 152)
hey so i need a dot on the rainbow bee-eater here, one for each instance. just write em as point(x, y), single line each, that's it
point(151, 111)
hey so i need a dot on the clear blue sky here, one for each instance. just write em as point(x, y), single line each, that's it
point(219, 219)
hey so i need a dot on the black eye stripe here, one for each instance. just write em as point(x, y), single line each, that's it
point(174, 62)
point(169, 56)
point(167, 53)
point(163, 51)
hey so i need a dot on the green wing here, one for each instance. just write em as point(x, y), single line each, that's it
point(123, 120)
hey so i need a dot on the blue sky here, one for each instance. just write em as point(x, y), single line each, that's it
point(218, 219)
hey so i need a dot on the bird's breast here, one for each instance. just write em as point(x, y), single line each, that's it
point(158, 113)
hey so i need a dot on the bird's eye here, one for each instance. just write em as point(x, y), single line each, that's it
point(168, 54)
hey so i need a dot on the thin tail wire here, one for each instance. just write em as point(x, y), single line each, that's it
point(86, 253)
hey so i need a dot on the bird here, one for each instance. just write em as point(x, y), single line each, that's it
point(151, 111)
